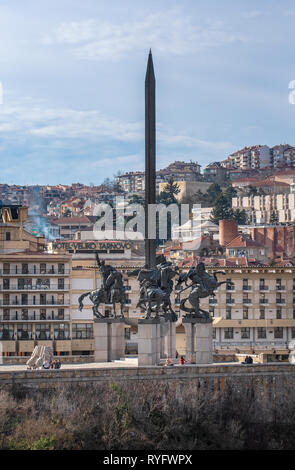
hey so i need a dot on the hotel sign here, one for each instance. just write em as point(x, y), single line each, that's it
point(91, 246)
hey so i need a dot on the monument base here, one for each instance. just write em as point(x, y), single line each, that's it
point(199, 339)
point(109, 339)
point(149, 339)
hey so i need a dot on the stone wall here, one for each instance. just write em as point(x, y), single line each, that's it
point(215, 375)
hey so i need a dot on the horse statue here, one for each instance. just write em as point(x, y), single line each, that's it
point(112, 291)
point(156, 286)
point(203, 285)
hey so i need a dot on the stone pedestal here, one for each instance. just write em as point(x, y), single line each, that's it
point(168, 339)
point(109, 339)
point(149, 342)
point(198, 339)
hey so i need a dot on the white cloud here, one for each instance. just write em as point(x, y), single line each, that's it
point(167, 32)
point(35, 120)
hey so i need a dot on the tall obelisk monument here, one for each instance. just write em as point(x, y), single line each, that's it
point(150, 157)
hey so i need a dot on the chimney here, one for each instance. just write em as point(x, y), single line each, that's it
point(228, 230)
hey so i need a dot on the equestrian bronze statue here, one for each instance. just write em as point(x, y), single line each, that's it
point(202, 285)
point(111, 292)
point(155, 289)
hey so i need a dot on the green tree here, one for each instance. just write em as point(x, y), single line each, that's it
point(222, 209)
point(168, 195)
point(241, 216)
point(213, 192)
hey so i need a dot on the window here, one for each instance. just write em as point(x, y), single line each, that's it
point(7, 236)
point(278, 332)
point(24, 331)
point(214, 333)
point(25, 268)
point(42, 314)
point(23, 283)
point(229, 286)
point(61, 268)
point(245, 314)
point(279, 313)
point(6, 284)
point(228, 313)
point(245, 333)
point(246, 299)
point(61, 283)
point(61, 314)
point(42, 268)
point(228, 333)
point(262, 314)
point(6, 332)
point(42, 331)
point(82, 331)
point(61, 331)
point(6, 314)
point(261, 333)
point(229, 299)
point(43, 283)
point(246, 285)
point(293, 332)
point(25, 314)
point(6, 268)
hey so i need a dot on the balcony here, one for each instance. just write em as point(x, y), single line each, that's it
point(278, 287)
point(34, 272)
point(263, 287)
point(230, 301)
point(30, 317)
point(247, 287)
point(263, 301)
point(31, 303)
point(280, 301)
point(212, 301)
point(54, 287)
point(247, 301)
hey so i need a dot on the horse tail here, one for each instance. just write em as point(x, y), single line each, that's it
point(80, 300)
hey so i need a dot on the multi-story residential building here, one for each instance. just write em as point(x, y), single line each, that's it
point(278, 154)
point(262, 209)
point(257, 156)
point(69, 225)
point(34, 302)
point(216, 173)
point(132, 181)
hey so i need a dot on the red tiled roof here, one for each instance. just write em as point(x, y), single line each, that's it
point(72, 220)
point(242, 241)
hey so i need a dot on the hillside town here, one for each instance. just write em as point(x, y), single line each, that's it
point(241, 221)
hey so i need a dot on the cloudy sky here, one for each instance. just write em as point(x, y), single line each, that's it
point(73, 71)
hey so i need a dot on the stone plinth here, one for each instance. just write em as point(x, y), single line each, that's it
point(198, 339)
point(117, 338)
point(149, 341)
point(168, 339)
point(109, 339)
